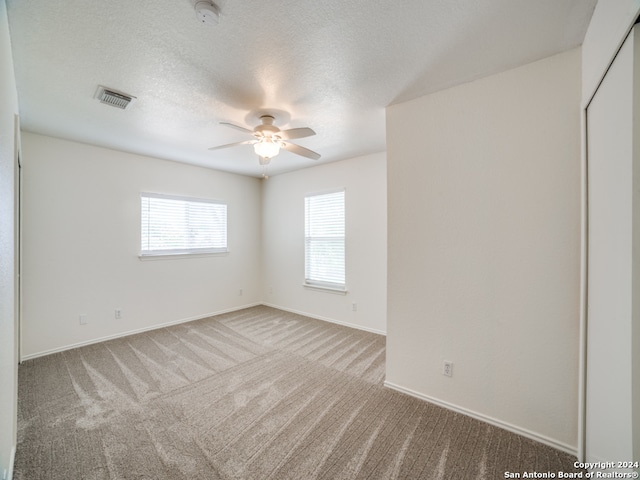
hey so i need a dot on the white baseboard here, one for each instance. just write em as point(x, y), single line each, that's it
point(326, 319)
point(484, 418)
point(133, 332)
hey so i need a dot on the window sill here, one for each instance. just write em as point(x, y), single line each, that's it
point(320, 288)
point(173, 256)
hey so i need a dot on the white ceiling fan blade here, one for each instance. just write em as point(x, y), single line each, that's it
point(237, 127)
point(296, 133)
point(298, 150)
point(246, 142)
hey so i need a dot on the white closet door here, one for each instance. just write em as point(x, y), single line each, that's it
point(612, 295)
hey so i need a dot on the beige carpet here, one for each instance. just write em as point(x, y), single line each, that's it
point(255, 394)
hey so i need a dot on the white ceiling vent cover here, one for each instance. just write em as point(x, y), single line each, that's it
point(114, 98)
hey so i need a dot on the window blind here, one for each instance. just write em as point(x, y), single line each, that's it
point(325, 240)
point(181, 225)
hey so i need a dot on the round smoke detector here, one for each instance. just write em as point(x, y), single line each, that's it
point(207, 13)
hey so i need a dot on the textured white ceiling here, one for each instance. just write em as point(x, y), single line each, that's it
point(332, 65)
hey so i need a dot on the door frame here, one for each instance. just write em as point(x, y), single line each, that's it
point(17, 241)
point(584, 244)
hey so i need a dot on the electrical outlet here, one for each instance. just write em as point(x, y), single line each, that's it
point(83, 319)
point(447, 368)
point(118, 314)
point(240, 292)
point(354, 307)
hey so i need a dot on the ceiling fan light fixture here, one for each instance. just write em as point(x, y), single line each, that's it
point(267, 140)
point(266, 148)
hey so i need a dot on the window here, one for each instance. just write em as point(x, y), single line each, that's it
point(324, 240)
point(174, 225)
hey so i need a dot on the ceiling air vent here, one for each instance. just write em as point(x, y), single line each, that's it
point(114, 98)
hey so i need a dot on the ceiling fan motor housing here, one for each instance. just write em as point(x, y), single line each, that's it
point(267, 128)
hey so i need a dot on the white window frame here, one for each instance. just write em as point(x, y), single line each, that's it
point(309, 280)
point(185, 249)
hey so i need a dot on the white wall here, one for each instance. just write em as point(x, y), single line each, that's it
point(364, 179)
point(82, 240)
point(8, 363)
point(484, 247)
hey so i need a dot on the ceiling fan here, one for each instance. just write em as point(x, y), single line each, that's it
point(269, 139)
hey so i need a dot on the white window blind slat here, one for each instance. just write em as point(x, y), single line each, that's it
point(182, 225)
point(325, 240)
